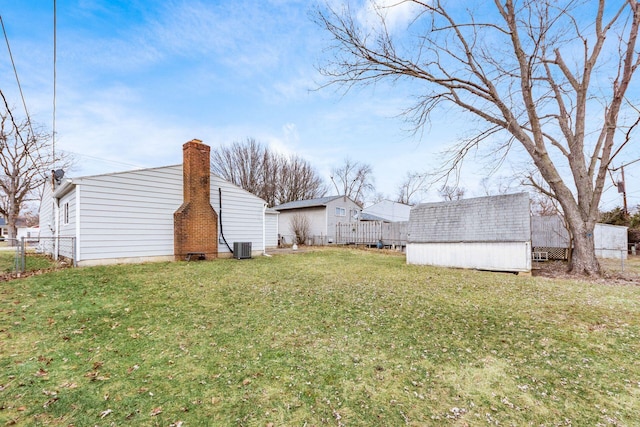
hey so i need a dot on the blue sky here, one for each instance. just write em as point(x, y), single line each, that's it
point(136, 79)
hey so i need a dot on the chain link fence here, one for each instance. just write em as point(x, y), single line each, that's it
point(36, 253)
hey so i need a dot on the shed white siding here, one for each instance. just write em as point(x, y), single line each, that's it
point(503, 256)
point(611, 241)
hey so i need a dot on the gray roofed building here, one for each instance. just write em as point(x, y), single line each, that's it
point(310, 203)
point(321, 216)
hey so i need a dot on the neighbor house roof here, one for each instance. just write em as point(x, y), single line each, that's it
point(311, 203)
point(363, 216)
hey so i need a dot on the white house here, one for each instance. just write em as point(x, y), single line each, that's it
point(387, 210)
point(129, 216)
point(322, 216)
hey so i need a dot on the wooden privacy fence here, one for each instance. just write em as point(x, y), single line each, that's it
point(371, 232)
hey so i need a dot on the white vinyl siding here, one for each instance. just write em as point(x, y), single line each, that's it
point(331, 221)
point(315, 215)
point(242, 215)
point(128, 216)
point(47, 212)
point(271, 229)
point(68, 221)
point(391, 211)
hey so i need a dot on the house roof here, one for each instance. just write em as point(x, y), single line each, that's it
point(389, 210)
point(310, 203)
point(363, 216)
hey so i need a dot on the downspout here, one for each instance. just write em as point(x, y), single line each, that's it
point(264, 230)
point(220, 217)
point(56, 233)
point(76, 254)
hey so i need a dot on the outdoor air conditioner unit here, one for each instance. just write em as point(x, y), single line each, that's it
point(242, 250)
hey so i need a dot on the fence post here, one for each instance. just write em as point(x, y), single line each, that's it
point(73, 249)
point(23, 255)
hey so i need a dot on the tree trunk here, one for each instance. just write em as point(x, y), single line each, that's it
point(583, 259)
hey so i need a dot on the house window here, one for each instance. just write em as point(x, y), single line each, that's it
point(341, 212)
point(65, 213)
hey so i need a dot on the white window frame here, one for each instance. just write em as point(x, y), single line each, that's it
point(341, 211)
point(65, 213)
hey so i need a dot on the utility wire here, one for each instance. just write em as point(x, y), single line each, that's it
point(15, 71)
point(55, 55)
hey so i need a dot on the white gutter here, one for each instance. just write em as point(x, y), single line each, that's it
point(264, 229)
point(77, 244)
point(63, 188)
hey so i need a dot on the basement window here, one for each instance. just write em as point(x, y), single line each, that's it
point(341, 212)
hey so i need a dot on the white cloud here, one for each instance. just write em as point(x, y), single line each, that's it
point(396, 14)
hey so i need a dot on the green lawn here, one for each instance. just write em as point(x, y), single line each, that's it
point(33, 261)
point(331, 337)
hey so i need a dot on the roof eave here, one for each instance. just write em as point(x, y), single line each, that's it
point(65, 187)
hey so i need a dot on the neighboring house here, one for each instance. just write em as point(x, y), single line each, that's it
point(367, 217)
point(4, 230)
point(322, 215)
point(386, 210)
point(28, 233)
point(485, 233)
point(141, 215)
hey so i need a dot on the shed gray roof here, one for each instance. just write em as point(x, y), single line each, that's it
point(310, 203)
point(503, 218)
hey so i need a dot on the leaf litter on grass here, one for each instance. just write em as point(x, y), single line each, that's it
point(328, 337)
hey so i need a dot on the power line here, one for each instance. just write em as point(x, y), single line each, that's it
point(15, 71)
point(55, 55)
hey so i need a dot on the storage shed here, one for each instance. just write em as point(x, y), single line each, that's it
point(549, 236)
point(485, 233)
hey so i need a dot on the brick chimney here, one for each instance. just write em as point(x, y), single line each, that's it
point(195, 224)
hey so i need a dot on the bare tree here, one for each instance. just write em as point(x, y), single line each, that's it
point(412, 188)
point(242, 164)
point(549, 75)
point(274, 177)
point(450, 193)
point(297, 180)
point(300, 227)
point(25, 164)
point(353, 179)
